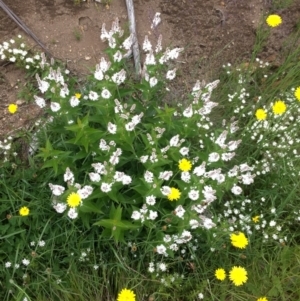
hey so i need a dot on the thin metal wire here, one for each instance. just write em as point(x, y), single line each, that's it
point(21, 24)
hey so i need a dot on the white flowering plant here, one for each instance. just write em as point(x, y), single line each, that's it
point(126, 161)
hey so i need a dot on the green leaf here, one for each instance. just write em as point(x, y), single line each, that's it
point(89, 206)
point(114, 224)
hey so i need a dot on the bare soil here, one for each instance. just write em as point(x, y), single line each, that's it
point(213, 32)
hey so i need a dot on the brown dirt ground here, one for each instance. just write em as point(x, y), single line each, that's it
point(213, 32)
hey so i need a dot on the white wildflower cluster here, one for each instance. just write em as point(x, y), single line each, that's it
point(126, 116)
point(15, 51)
point(39, 243)
point(6, 149)
point(146, 212)
point(84, 255)
point(110, 35)
point(154, 57)
point(277, 136)
point(241, 215)
point(173, 242)
point(58, 192)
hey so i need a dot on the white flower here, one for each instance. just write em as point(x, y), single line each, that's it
point(162, 267)
point(247, 178)
point(105, 94)
point(194, 194)
point(136, 215)
point(156, 20)
point(106, 187)
point(152, 215)
point(72, 213)
point(103, 145)
point(129, 126)
point(118, 56)
point(40, 101)
point(165, 190)
point(200, 170)
point(99, 168)
point(43, 86)
point(85, 191)
point(144, 159)
point(119, 77)
point(112, 128)
point(94, 177)
point(213, 157)
point(153, 81)
point(228, 156)
point(150, 200)
point(57, 189)
point(104, 65)
point(93, 95)
point(185, 176)
point(126, 180)
point(128, 42)
point(174, 247)
point(184, 151)
point(55, 106)
point(148, 176)
point(272, 223)
point(209, 194)
point(174, 53)
point(208, 223)
point(171, 74)
point(150, 58)
point(32, 243)
point(179, 211)
point(188, 112)
point(25, 262)
point(194, 224)
point(151, 268)
point(74, 101)
point(60, 207)
point(174, 141)
point(98, 74)
point(200, 296)
point(161, 249)
point(165, 175)
point(41, 243)
point(68, 175)
point(237, 190)
point(95, 267)
point(7, 264)
point(147, 46)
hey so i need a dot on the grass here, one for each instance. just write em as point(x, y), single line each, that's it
point(77, 263)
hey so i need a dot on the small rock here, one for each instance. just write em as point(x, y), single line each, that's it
point(20, 102)
point(87, 58)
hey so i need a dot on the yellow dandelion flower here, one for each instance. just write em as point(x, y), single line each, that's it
point(297, 93)
point(74, 200)
point(261, 114)
point(174, 195)
point(238, 275)
point(12, 108)
point(77, 95)
point(262, 299)
point(185, 165)
point(126, 295)
point(255, 219)
point(279, 107)
point(273, 20)
point(239, 240)
point(24, 211)
point(220, 274)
